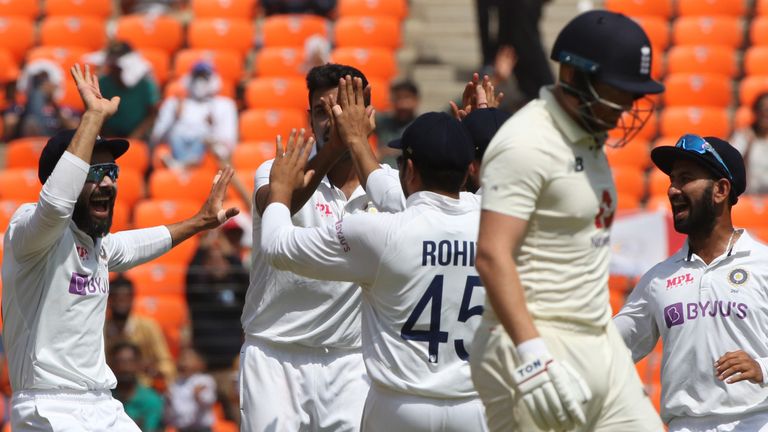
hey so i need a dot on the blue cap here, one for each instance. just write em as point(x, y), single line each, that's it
point(482, 125)
point(202, 67)
point(438, 141)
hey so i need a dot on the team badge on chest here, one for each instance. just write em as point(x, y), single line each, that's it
point(738, 277)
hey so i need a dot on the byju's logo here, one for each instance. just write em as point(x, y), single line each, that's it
point(81, 284)
point(673, 314)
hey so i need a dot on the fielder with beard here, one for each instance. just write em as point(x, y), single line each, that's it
point(708, 301)
point(56, 275)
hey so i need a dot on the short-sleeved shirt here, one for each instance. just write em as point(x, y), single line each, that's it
point(136, 103)
point(542, 167)
point(701, 312)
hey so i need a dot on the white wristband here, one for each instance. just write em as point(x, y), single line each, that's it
point(532, 348)
point(764, 369)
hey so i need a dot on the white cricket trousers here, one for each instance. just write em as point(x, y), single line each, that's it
point(388, 410)
point(618, 404)
point(68, 411)
point(755, 422)
point(290, 388)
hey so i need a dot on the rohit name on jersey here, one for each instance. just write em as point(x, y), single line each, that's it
point(80, 284)
point(456, 253)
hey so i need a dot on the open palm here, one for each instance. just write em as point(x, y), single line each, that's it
point(88, 87)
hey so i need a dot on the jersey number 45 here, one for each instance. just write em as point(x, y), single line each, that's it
point(434, 337)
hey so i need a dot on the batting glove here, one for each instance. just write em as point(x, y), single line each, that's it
point(553, 391)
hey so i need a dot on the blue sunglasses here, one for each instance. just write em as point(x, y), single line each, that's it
point(699, 145)
point(97, 172)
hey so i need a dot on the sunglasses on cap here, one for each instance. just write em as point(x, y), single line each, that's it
point(699, 145)
point(97, 172)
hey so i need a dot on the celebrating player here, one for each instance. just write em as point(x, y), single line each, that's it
point(55, 275)
point(708, 300)
point(548, 343)
point(421, 294)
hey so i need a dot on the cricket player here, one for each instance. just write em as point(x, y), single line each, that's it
point(708, 301)
point(547, 355)
point(421, 296)
point(302, 336)
point(55, 276)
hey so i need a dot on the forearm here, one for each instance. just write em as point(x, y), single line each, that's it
point(185, 229)
point(364, 160)
point(506, 295)
point(85, 136)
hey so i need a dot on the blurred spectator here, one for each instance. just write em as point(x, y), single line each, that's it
point(199, 120)
point(37, 111)
point(390, 126)
point(216, 286)
point(752, 142)
point(315, 7)
point(152, 7)
point(190, 400)
point(128, 76)
point(122, 326)
point(317, 52)
point(142, 404)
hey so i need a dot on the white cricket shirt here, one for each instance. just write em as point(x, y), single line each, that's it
point(701, 312)
point(283, 307)
point(542, 167)
point(55, 287)
point(422, 298)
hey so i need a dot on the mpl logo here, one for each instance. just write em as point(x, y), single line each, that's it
point(676, 281)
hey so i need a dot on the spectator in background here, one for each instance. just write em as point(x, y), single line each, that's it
point(404, 96)
point(142, 404)
point(128, 76)
point(315, 7)
point(37, 111)
point(752, 142)
point(199, 120)
point(123, 326)
point(150, 7)
point(216, 287)
point(191, 397)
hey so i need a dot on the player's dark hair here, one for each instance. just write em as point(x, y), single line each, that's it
point(120, 346)
point(441, 179)
point(406, 86)
point(121, 282)
point(327, 76)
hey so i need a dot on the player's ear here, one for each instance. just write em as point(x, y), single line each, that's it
point(410, 171)
point(721, 191)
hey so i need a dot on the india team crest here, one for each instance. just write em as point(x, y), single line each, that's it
point(738, 276)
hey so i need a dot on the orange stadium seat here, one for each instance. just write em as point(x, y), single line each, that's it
point(193, 185)
point(678, 121)
point(20, 184)
point(743, 117)
point(227, 63)
point(7, 209)
point(380, 94)
point(137, 156)
point(120, 217)
point(617, 300)
point(87, 32)
point(250, 155)
point(627, 202)
point(152, 279)
point(224, 8)
point(171, 314)
point(159, 61)
point(130, 187)
point(658, 183)
point(163, 151)
point(716, 59)
point(697, 90)
point(758, 31)
point(649, 130)
point(735, 8)
point(761, 7)
point(216, 33)
point(635, 154)
point(24, 152)
point(718, 30)
point(150, 31)
point(9, 67)
point(279, 62)
point(150, 212)
point(759, 233)
point(17, 35)
point(629, 181)
point(29, 9)
point(367, 32)
point(362, 8)
point(101, 9)
point(373, 62)
point(276, 93)
point(751, 87)
point(71, 97)
point(292, 30)
point(657, 29)
point(659, 8)
point(750, 213)
point(66, 57)
point(620, 283)
point(756, 60)
point(265, 125)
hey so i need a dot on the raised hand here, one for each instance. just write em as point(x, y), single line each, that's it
point(213, 213)
point(88, 87)
point(352, 119)
point(289, 168)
